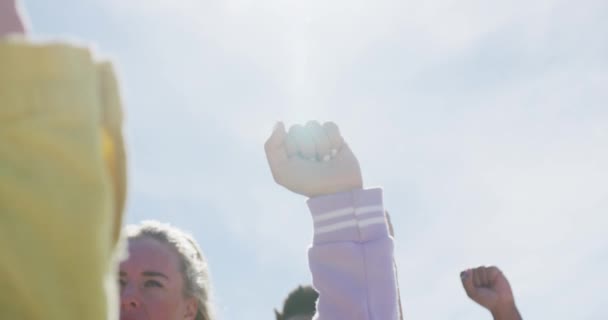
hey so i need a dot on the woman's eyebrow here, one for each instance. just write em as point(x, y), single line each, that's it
point(155, 274)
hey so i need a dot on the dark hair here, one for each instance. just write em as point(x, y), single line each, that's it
point(300, 301)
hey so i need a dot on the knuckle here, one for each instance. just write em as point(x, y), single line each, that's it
point(313, 123)
point(330, 124)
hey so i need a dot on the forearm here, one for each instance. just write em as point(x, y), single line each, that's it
point(10, 19)
point(352, 257)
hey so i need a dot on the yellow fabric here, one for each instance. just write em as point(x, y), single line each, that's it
point(62, 183)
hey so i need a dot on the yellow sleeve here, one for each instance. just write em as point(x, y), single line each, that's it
point(62, 183)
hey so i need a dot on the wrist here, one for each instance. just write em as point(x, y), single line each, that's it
point(335, 189)
point(506, 311)
point(352, 186)
point(357, 216)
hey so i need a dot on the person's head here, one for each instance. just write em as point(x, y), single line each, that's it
point(165, 276)
point(299, 305)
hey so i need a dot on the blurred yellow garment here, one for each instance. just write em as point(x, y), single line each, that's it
point(62, 183)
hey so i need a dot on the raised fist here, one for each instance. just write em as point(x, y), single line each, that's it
point(312, 160)
point(490, 288)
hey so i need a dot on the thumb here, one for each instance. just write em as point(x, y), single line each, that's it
point(277, 137)
point(275, 145)
point(467, 282)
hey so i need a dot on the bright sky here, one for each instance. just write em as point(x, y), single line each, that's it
point(486, 123)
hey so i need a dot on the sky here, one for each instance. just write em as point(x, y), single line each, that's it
point(486, 123)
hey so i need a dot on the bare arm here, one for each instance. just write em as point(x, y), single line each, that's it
point(11, 21)
point(509, 313)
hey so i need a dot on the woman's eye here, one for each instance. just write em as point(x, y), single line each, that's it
point(122, 282)
point(153, 283)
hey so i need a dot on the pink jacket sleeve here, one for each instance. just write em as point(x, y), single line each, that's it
point(351, 258)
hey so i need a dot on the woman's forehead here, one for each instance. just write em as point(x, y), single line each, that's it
point(148, 253)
